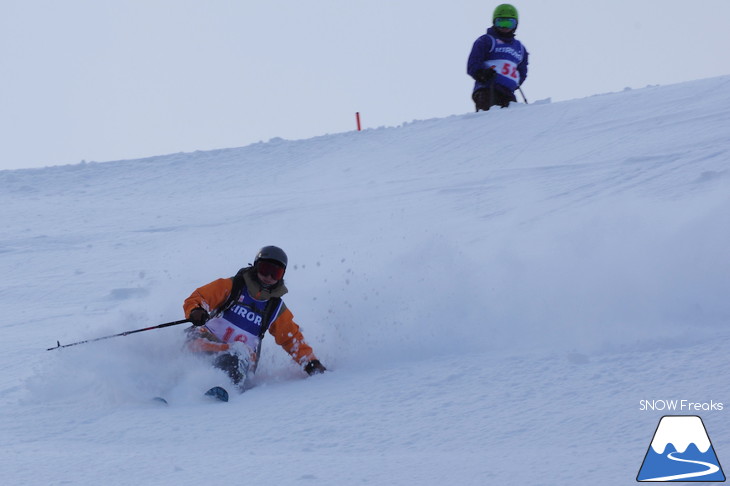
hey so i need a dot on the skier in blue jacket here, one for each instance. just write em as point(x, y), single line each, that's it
point(498, 61)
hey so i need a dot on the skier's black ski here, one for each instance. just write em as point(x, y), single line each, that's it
point(218, 393)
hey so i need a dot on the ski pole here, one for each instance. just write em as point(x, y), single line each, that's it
point(523, 94)
point(125, 333)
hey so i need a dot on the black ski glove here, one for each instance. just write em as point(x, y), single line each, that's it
point(485, 75)
point(199, 316)
point(314, 367)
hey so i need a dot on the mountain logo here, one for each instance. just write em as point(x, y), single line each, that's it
point(680, 451)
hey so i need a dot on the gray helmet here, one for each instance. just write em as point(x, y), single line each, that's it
point(273, 253)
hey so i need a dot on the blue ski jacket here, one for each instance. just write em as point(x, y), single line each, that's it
point(503, 53)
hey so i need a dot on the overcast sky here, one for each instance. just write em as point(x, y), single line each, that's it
point(101, 80)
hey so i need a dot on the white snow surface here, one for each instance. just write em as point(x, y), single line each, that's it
point(493, 293)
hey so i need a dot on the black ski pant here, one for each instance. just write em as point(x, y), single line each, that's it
point(233, 366)
point(487, 97)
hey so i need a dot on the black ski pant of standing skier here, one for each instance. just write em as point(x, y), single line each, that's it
point(488, 97)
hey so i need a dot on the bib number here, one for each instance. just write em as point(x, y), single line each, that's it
point(231, 336)
point(507, 69)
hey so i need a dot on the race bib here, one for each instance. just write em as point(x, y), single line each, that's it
point(505, 68)
point(239, 324)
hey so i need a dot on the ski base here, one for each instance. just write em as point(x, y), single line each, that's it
point(160, 399)
point(218, 393)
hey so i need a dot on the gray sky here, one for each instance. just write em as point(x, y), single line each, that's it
point(101, 80)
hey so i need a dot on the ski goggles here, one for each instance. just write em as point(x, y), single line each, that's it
point(270, 269)
point(505, 23)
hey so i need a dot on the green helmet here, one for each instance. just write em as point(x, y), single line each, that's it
point(505, 11)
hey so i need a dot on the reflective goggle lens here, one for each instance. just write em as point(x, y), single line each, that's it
point(505, 23)
point(270, 269)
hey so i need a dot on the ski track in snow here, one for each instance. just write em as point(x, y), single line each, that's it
point(493, 304)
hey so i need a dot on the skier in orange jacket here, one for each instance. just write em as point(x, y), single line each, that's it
point(230, 317)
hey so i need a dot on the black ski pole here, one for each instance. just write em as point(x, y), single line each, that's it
point(523, 94)
point(125, 333)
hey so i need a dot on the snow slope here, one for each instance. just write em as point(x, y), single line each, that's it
point(495, 294)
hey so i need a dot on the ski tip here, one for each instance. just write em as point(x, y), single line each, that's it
point(160, 399)
point(218, 392)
